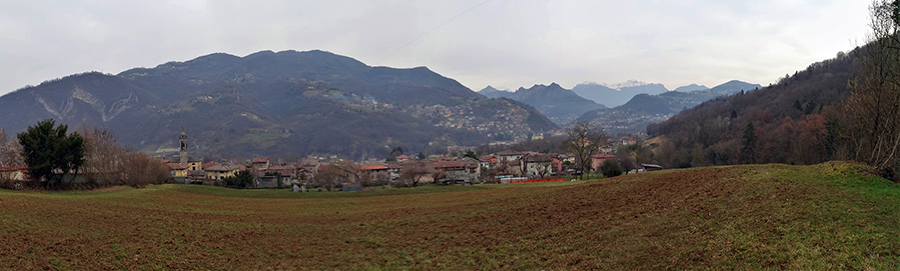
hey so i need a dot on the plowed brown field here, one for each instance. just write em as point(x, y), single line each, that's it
point(771, 216)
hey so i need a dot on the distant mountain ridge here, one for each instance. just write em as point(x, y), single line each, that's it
point(492, 92)
point(616, 94)
point(674, 101)
point(561, 105)
point(691, 87)
point(269, 103)
point(627, 84)
point(644, 109)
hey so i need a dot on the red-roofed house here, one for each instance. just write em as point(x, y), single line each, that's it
point(260, 163)
point(538, 165)
point(13, 173)
point(178, 170)
point(285, 170)
point(374, 167)
point(401, 158)
point(509, 155)
point(376, 171)
point(206, 165)
point(598, 159)
point(457, 171)
point(222, 171)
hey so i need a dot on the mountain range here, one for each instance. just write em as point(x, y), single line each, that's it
point(618, 94)
point(561, 105)
point(643, 109)
point(565, 106)
point(295, 104)
point(270, 103)
point(672, 102)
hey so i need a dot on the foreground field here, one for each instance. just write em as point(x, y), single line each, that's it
point(827, 216)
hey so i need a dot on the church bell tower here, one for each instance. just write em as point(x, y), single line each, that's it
point(183, 154)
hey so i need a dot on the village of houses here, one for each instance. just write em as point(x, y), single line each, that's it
point(500, 167)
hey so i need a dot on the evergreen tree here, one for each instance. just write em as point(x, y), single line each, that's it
point(50, 153)
point(241, 179)
point(392, 157)
point(611, 168)
point(748, 143)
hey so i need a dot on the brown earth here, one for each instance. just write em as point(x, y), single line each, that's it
point(666, 220)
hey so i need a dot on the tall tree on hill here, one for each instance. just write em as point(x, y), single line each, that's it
point(875, 102)
point(392, 157)
point(50, 152)
point(748, 144)
point(584, 139)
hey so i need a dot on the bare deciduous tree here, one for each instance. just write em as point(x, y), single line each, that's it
point(584, 139)
point(104, 159)
point(334, 174)
point(875, 103)
point(9, 155)
point(9, 150)
point(542, 170)
point(107, 163)
point(438, 175)
point(138, 170)
point(414, 172)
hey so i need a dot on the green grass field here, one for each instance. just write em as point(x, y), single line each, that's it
point(828, 216)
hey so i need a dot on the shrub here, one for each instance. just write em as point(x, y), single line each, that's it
point(611, 168)
point(240, 180)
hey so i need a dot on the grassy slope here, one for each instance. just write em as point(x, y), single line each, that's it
point(757, 217)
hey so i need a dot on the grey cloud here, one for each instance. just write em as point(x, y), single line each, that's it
point(504, 43)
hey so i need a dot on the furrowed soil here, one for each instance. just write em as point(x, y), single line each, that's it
point(828, 216)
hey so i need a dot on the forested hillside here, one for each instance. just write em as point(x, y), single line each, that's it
point(794, 121)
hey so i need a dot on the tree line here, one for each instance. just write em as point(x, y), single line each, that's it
point(58, 159)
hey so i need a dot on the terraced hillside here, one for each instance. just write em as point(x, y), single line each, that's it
point(828, 216)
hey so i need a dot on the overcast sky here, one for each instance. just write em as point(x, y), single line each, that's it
point(503, 43)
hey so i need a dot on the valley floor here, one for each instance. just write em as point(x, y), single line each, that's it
point(827, 216)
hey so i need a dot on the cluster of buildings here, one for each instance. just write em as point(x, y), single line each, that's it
point(194, 171)
point(510, 123)
point(537, 165)
point(496, 167)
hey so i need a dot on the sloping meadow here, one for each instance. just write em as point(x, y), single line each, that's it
point(827, 216)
